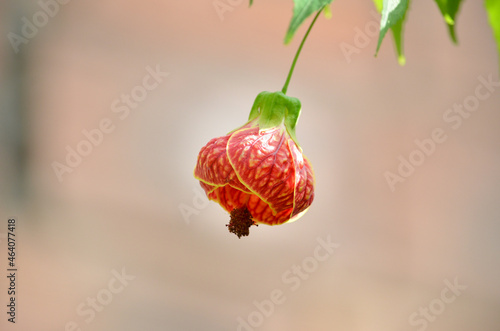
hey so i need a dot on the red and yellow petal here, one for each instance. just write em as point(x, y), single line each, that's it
point(304, 186)
point(263, 171)
point(263, 163)
point(230, 198)
point(213, 166)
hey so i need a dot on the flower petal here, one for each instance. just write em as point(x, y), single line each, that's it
point(230, 198)
point(304, 180)
point(213, 166)
point(263, 163)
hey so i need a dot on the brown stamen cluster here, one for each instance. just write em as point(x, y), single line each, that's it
point(241, 221)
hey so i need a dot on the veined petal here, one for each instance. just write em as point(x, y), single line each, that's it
point(304, 180)
point(230, 198)
point(213, 166)
point(207, 187)
point(263, 163)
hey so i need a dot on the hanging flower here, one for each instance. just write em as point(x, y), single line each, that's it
point(258, 172)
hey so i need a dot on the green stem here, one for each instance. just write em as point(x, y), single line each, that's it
point(285, 87)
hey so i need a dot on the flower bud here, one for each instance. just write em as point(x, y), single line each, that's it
point(258, 172)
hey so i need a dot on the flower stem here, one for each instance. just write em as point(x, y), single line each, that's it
point(285, 87)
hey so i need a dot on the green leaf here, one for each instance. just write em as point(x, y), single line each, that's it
point(393, 17)
point(493, 9)
point(449, 10)
point(303, 9)
point(397, 34)
point(251, 2)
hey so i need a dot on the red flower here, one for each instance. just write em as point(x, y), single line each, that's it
point(257, 172)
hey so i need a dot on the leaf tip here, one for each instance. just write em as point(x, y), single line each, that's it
point(449, 20)
point(453, 35)
point(401, 60)
point(327, 12)
point(379, 43)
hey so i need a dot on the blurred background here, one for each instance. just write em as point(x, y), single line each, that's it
point(104, 106)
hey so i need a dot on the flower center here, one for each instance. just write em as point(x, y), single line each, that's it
point(241, 221)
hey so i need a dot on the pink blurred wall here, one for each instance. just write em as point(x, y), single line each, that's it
point(120, 206)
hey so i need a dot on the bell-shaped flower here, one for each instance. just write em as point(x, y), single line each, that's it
point(258, 172)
